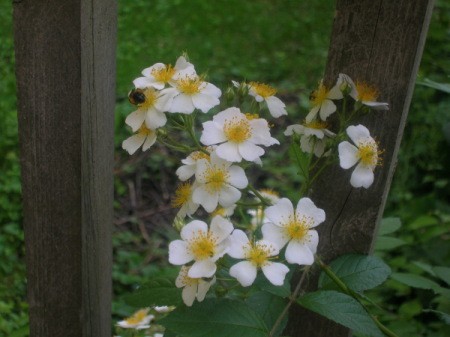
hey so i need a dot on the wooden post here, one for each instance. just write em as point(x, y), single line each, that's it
point(65, 67)
point(380, 42)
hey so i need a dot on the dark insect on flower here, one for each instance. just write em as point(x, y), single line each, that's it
point(136, 96)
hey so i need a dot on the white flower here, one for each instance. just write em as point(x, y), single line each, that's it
point(202, 245)
point(139, 320)
point(364, 93)
point(159, 74)
point(293, 227)
point(238, 135)
point(187, 170)
point(183, 199)
point(322, 103)
point(263, 92)
point(151, 111)
point(191, 92)
point(145, 137)
point(218, 183)
point(365, 153)
point(192, 287)
point(163, 309)
point(313, 136)
point(225, 212)
point(257, 255)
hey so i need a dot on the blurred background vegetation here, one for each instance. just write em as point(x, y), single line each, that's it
point(283, 43)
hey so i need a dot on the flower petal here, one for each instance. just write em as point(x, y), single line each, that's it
point(250, 152)
point(188, 294)
point(278, 213)
point(221, 228)
point(237, 177)
point(362, 176)
point(203, 287)
point(276, 107)
point(149, 141)
point(348, 155)
point(179, 253)
point(212, 133)
point(274, 234)
point(202, 196)
point(228, 196)
point(135, 119)
point(238, 244)
point(204, 102)
point(244, 272)
point(133, 143)
point(327, 108)
point(312, 240)
point(307, 207)
point(182, 104)
point(356, 132)
point(299, 253)
point(202, 268)
point(229, 151)
point(193, 229)
point(155, 119)
point(275, 272)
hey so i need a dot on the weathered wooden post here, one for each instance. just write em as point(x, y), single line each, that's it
point(65, 66)
point(380, 42)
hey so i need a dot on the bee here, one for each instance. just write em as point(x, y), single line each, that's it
point(136, 96)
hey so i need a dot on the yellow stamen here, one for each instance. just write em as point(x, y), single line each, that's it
point(269, 191)
point(197, 155)
point(297, 228)
point(215, 178)
point(259, 254)
point(368, 153)
point(319, 95)
point(185, 279)
point(237, 130)
point(366, 93)
point(145, 130)
point(262, 89)
point(163, 74)
point(150, 98)
point(317, 124)
point(137, 317)
point(203, 245)
point(182, 195)
point(250, 116)
point(190, 85)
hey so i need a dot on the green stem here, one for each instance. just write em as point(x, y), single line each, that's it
point(292, 299)
point(255, 191)
point(353, 294)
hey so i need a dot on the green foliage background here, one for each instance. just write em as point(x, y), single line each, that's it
point(279, 42)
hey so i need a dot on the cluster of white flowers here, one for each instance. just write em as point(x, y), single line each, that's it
point(314, 135)
point(212, 175)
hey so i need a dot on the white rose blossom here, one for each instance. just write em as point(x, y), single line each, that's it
point(151, 111)
point(364, 153)
point(322, 101)
point(183, 200)
point(139, 320)
point(187, 170)
point(192, 287)
point(265, 93)
point(363, 93)
point(191, 92)
point(145, 137)
point(237, 135)
point(218, 182)
point(202, 245)
point(257, 256)
point(313, 136)
point(160, 74)
point(294, 228)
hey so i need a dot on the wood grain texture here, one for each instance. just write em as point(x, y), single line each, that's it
point(379, 42)
point(65, 67)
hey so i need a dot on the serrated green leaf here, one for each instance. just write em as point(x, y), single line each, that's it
point(269, 307)
point(387, 243)
point(442, 315)
point(389, 225)
point(443, 273)
point(341, 309)
point(156, 292)
point(218, 318)
point(415, 281)
point(358, 272)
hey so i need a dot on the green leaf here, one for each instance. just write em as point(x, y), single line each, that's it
point(443, 273)
point(415, 281)
point(341, 309)
point(442, 315)
point(358, 272)
point(155, 292)
point(218, 318)
point(269, 307)
point(425, 267)
point(444, 87)
point(388, 243)
point(423, 221)
point(281, 291)
point(389, 225)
